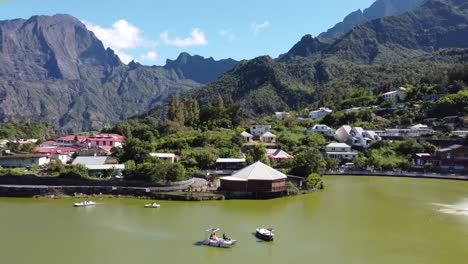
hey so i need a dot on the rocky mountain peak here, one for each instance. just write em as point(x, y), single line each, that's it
point(199, 68)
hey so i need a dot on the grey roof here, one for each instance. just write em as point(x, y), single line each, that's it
point(230, 160)
point(256, 171)
point(453, 147)
point(269, 134)
point(338, 145)
point(246, 134)
point(92, 160)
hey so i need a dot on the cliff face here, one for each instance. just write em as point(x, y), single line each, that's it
point(379, 9)
point(53, 69)
point(198, 68)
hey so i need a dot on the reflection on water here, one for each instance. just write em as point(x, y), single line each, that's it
point(460, 208)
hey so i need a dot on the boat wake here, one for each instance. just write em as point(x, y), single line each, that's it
point(455, 209)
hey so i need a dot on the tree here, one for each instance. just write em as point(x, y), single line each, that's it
point(332, 164)
point(136, 150)
point(314, 140)
point(313, 181)
point(75, 172)
point(175, 172)
point(175, 110)
point(308, 161)
point(257, 153)
point(220, 104)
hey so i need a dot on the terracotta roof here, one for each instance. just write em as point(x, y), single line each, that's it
point(72, 137)
point(106, 148)
point(53, 150)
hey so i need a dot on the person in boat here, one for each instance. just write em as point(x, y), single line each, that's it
point(225, 237)
point(214, 237)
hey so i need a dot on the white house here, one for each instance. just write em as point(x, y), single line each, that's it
point(23, 160)
point(322, 129)
point(356, 137)
point(247, 137)
point(171, 157)
point(98, 165)
point(282, 115)
point(268, 137)
point(340, 152)
point(320, 113)
point(395, 95)
point(258, 130)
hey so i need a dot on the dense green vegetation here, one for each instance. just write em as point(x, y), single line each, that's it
point(25, 130)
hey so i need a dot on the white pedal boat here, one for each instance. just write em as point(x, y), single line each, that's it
point(214, 241)
point(152, 205)
point(84, 203)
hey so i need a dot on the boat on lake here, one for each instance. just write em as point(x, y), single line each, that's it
point(265, 234)
point(214, 241)
point(152, 205)
point(84, 203)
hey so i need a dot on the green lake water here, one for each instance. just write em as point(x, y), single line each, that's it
point(354, 220)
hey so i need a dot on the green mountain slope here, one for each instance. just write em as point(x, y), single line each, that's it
point(53, 69)
point(384, 52)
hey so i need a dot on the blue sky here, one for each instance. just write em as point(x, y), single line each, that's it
point(151, 31)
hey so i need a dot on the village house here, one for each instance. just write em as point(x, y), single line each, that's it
point(322, 129)
point(454, 158)
point(420, 159)
point(340, 152)
point(247, 137)
point(72, 141)
point(48, 144)
point(230, 163)
point(171, 157)
point(356, 137)
point(13, 160)
point(106, 140)
point(396, 96)
point(460, 133)
point(278, 155)
point(99, 165)
point(413, 131)
point(320, 113)
point(282, 115)
point(258, 130)
point(268, 138)
point(63, 154)
point(256, 178)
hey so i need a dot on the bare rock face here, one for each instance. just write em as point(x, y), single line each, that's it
point(379, 9)
point(53, 69)
point(198, 68)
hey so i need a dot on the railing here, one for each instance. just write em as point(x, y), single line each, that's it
point(434, 175)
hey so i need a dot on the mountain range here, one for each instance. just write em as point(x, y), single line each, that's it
point(379, 9)
point(54, 69)
point(380, 52)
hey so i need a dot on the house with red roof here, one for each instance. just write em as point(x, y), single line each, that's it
point(105, 141)
point(72, 141)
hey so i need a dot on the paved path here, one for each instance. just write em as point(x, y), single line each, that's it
point(197, 182)
point(461, 177)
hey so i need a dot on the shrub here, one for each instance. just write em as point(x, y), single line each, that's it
point(75, 172)
point(292, 189)
point(313, 181)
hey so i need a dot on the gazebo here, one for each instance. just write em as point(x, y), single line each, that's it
point(256, 178)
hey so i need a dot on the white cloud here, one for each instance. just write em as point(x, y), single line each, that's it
point(121, 37)
point(197, 38)
point(150, 56)
point(227, 33)
point(257, 28)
